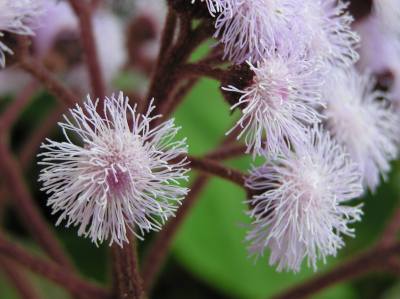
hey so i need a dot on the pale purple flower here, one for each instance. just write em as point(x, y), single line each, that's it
point(301, 211)
point(361, 119)
point(17, 16)
point(123, 175)
point(326, 28)
point(250, 30)
point(280, 104)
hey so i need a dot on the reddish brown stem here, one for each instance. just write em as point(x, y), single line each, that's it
point(38, 71)
point(27, 209)
point(168, 107)
point(389, 235)
point(31, 146)
point(76, 286)
point(13, 111)
point(357, 266)
point(166, 75)
point(167, 37)
point(84, 14)
point(229, 151)
point(157, 254)
point(202, 70)
point(212, 167)
point(128, 282)
point(17, 278)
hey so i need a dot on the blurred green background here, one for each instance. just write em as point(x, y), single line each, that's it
point(209, 258)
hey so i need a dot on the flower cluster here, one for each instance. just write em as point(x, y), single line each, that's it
point(325, 132)
point(323, 129)
point(123, 175)
point(17, 16)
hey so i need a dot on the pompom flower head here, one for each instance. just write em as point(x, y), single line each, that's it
point(124, 176)
point(250, 30)
point(300, 212)
point(363, 121)
point(326, 27)
point(16, 16)
point(280, 103)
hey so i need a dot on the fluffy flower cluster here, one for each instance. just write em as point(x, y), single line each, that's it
point(122, 176)
point(360, 118)
point(301, 210)
point(304, 90)
point(17, 16)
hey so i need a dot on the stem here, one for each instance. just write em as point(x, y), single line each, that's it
point(37, 70)
point(167, 37)
point(128, 282)
point(27, 210)
point(229, 151)
point(202, 70)
point(169, 106)
point(13, 111)
point(17, 278)
point(76, 286)
point(165, 76)
point(158, 252)
point(212, 167)
point(31, 146)
point(83, 12)
point(357, 266)
point(391, 230)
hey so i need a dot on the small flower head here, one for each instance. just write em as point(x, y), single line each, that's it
point(124, 175)
point(362, 121)
point(16, 16)
point(301, 212)
point(326, 27)
point(280, 103)
point(250, 30)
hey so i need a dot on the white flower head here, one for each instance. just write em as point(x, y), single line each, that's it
point(280, 104)
point(362, 121)
point(301, 212)
point(17, 16)
point(250, 30)
point(326, 27)
point(124, 176)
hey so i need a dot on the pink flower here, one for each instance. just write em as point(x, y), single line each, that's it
point(280, 104)
point(123, 175)
point(361, 119)
point(300, 211)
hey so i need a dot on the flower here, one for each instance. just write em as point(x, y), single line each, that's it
point(17, 16)
point(125, 174)
point(300, 212)
point(280, 104)
point(360, 119)
point(326, 27)
point(250, 30)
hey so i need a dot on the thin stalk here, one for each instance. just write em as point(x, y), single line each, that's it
point(127, 280)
